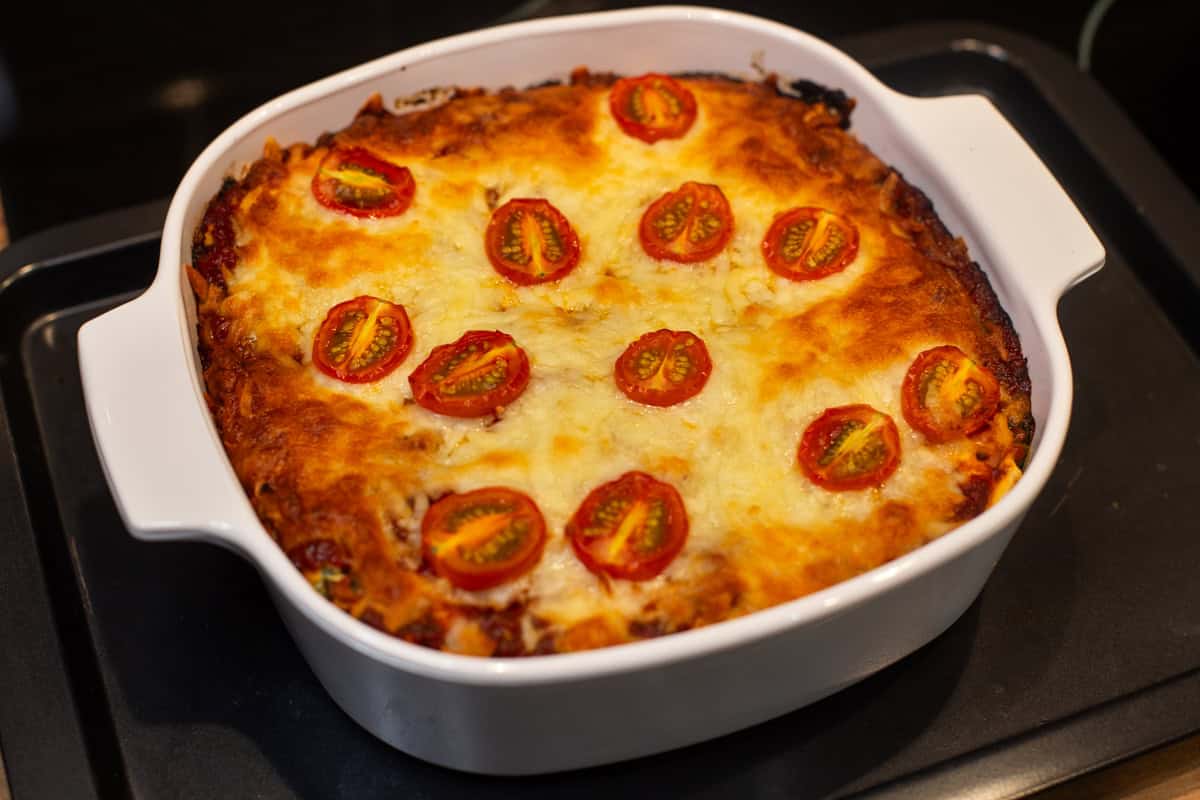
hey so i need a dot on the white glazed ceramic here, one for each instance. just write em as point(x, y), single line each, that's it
point(171, 480)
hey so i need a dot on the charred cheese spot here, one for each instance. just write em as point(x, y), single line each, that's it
point(360, 464)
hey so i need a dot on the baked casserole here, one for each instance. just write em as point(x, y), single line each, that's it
point(543, 370)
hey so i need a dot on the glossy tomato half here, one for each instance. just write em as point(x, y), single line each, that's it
point(630, 528)
point(804, 244)
point(477, 375)
point(355, 182)
point(850, 447)
point(362, 340)
point(663, 368)
point(652, 107)
point(483, 538)
point(946, 395)
point(529, 241)
point(692, 223)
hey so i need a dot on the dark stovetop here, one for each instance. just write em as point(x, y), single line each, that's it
point(113, 100)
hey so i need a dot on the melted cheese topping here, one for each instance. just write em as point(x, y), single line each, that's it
point(782, 351)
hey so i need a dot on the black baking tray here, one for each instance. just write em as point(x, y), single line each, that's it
point(132, 670)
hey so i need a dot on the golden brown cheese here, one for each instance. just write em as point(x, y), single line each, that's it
point(341, 474)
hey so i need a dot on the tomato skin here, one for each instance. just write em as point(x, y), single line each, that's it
point(652, 107)
point(692, 223)
point(612, 506)
point(826, 464)
point(663, 368)
point(359, 329)
point(942, 417)
point(544, 238)
point(489, 366)
point(355, 182)
point(499, 532)
point(804, 244)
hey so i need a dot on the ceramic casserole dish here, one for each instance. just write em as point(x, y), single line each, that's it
point(171, 479)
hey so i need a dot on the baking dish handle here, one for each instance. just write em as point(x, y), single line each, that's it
point(1021, 209)
point(163, 463)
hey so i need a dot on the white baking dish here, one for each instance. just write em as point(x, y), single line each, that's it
point(171, 480)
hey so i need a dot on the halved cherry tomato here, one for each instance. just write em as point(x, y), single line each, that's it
point(474, 376)
point(354, 182)
point(483, 538)
point(663, 368)
point(530, 241)
point(629, 528)
point(362, 340)
point(947, 395)
point(804, 244)
point(850, 447)
point(652, 107)
point(690, 224)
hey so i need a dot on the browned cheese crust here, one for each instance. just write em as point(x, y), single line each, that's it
point(341, 482)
